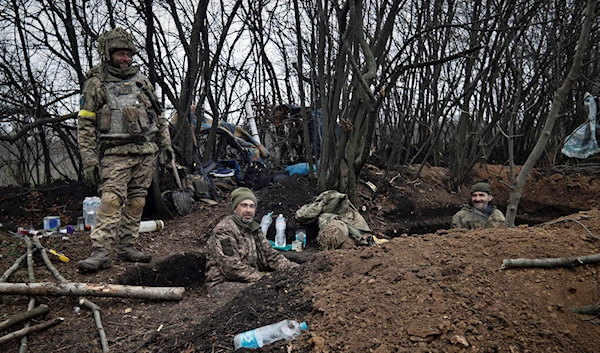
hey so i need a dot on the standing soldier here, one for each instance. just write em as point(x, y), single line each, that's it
point(121, 128)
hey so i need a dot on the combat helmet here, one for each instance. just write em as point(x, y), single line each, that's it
point(114, 39)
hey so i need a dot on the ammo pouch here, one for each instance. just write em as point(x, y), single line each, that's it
point(127, 114)
point(136, 120)
point(103, 118)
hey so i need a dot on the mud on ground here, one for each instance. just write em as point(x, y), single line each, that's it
point(430, 289)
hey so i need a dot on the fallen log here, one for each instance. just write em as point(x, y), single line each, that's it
point(97, 290)
point(593, 309)
point(25, 331)
point(17, 319)
point(550, 262)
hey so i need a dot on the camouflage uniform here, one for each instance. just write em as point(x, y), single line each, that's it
point(340, 223)
point(110, 101)
point(240, 253)
point(472, 218)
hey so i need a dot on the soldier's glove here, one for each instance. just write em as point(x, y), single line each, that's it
point(167, 153)
point(91, 175)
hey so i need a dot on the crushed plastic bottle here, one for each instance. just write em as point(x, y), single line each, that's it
point(280, 240)
point(259, 337)
point(265, 222)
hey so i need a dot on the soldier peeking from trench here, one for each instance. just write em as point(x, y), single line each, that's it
point(238, 251)
point(480, 212)
point(120, 130)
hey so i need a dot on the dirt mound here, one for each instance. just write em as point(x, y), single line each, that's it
point(435, 290)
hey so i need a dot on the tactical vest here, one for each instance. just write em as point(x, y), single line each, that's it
point(127, 115)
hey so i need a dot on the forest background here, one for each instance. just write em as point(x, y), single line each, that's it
point(451, 83)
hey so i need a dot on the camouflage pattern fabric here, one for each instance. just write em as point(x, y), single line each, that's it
point(238, 254)
point(331, 205)
point(126, 166)
point(332, 235)
point(471, 218)
point(93, 97)
point(127, 177)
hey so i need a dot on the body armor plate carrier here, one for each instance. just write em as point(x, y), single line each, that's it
point(127, 115)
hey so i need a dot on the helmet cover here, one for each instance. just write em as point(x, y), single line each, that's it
point(114, 39)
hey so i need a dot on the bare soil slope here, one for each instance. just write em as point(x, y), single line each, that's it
point(430, 289)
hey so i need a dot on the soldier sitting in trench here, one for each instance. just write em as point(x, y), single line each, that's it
point(238, 251)
point(480, 212)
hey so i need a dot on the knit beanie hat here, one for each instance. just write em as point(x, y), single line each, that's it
point(240, 194)
point(484, 187)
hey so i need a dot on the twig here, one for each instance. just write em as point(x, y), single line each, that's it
point(98, 320)
point(21, 317)
point(31, 305)
point(550, 262)
point(25, 331)
point(48, 263)
point(574, 220)
point(82, 301)
point(13, 268)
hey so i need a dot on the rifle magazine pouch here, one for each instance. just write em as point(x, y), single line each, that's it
point(103, 118)
point(131, 116)
point(143, 118)
point(151, 115)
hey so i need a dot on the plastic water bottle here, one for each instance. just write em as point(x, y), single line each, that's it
point(282, 330)
point(265, 222)
point(90, 207)
point(280, 240)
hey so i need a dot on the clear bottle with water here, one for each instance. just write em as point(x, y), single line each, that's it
point(265, 222)
point(90, 207)
point(282, 330)
point(280, 240)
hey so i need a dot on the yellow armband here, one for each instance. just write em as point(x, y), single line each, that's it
point(86, 114)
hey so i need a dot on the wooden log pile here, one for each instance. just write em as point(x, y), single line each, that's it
point(65, 288)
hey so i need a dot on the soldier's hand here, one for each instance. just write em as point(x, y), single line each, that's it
point(91, 175)
point(168, 154)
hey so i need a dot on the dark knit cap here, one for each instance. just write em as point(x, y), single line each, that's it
point(240, 194)
point(484, 187)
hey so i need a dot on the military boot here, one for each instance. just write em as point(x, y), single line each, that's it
point(130, 254)
point(99, 260)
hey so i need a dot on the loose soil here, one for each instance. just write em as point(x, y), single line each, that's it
point(430, 289)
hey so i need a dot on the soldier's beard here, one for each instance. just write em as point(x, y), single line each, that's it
point(243, 219)
point(246, 220)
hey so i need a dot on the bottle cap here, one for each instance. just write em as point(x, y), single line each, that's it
point(303, 326)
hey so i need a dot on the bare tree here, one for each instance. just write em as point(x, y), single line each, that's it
point(557, 105)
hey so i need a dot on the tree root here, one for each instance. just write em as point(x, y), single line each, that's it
point(574, 220)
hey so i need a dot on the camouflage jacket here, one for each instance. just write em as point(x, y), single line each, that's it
point(471, 218)
point(240, 253)
point(93, 97)
point(330, 205)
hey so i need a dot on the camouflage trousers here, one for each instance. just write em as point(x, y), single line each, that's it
point(124, 184)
